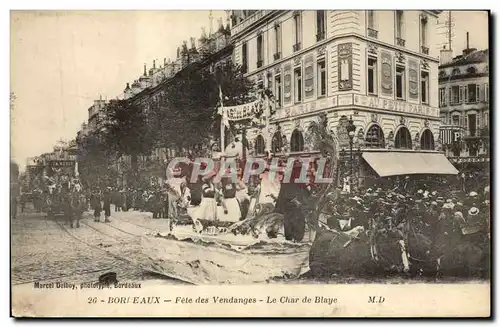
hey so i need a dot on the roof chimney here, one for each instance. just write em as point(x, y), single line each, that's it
point(164, 62)
point(445, 56)
point(154, 64)
point(145, 70)
point(467, 40)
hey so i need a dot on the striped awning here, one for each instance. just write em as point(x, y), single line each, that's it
point(408, 163)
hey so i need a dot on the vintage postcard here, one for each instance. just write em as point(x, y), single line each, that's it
point(250, 163)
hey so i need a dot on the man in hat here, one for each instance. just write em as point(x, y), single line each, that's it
point(295, 196)
point(106, 200)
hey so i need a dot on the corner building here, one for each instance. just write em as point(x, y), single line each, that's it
point(378, 67)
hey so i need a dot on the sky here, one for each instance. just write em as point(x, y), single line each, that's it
point(474, 22)
point(62, 61)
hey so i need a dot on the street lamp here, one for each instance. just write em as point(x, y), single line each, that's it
point(350, 132)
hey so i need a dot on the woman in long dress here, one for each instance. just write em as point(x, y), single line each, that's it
point(232, 210)
point(207, 209)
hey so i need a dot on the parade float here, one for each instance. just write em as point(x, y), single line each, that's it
point(229, 251)
point(225, 250)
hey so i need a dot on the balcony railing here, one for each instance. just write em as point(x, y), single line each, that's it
point(260, 63)
point(400, 42)
point(372, 33)
point(320, 36)
point(296, 47)
point(425, 50)
point(277, 56)
point(249, 21)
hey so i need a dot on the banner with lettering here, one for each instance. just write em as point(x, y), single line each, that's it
point(413, 79)
point(243, 111)
point(287, 72)
point(387, 82)
point(345, 66)
point(309, 76)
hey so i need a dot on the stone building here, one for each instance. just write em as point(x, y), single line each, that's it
point(377, 67)
point(464, 102)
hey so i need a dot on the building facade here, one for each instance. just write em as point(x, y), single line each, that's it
point(464, 102)
point(377, 67)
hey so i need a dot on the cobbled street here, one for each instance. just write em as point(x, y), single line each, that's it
point(48, 250)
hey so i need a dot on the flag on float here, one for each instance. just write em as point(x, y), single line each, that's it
point(222, 112)
point(221, 106)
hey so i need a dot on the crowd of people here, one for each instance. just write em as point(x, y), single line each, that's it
point(208, 201)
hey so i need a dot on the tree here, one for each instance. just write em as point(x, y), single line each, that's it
point(94, 156)
point(323, 140)
point(186, 111)
point(127, 131)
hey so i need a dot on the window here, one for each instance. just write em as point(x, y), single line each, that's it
point(403, 139)
point(298, 84)
point(297, 141)
point(455, 120)
point(472, 151)
point(472, 124)
point(372, 76)
point(277, 42)
point(374, 137)
point(471, 70)
point(462, 96)
point(427, 140)
point(321, 78)
point(486, 119)
point(399, 24)
point(260, 51)
point(400, 82)
point(442, 96)
point(277, 91)
point(455, 72)
point(277, 143)
point(320, 25)
point(486, 92)
point(244, 56)
point(371, 19)
point(297, 19)
point(423, 32)
point(424, 81)
point(471, 93)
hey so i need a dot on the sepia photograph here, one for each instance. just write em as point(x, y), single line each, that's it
point(250, 163)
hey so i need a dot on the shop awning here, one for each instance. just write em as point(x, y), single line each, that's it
point(407, 163)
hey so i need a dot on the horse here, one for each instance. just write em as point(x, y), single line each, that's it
point(372, 254)
point(74, 205)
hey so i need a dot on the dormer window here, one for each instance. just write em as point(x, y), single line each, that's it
point(442, 74)
point(471, 70)
point(455, 72)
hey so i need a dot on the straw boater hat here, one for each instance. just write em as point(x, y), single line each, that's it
point(448, 206)
point(473, 211)
point(472, 194)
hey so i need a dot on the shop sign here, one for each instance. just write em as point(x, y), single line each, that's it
point(459, 160)
point(61, 163)
point(396, 106)
point(305, 108)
